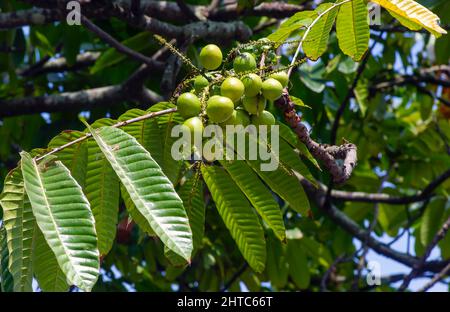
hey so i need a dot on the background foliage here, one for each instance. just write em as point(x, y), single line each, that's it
point(393, 102)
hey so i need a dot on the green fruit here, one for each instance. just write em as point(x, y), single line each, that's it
point(188, 105)
point(219, 108)
point(239, 117)
point(232, 88)
point(252, 84)
point(200, 83)
point(272, 89)
point(244, 62)
point(195, 126)
point(211, 57)
point(282, 77)
point(264, 118)
point(254, 104)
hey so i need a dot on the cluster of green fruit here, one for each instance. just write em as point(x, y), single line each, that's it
point(238, 101)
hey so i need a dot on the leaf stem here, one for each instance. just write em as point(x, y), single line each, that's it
point(117, 125)
point(308, 29)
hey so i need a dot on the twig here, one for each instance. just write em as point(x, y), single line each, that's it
point(419, 265)
point(114, 43)
point(187, 10)
point(117, 125)
point(234, 277)
point(331, 270)
point(438, 277)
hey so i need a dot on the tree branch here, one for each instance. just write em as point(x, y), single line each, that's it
point(339, 160)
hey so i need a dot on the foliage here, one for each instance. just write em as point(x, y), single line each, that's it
point(194, 224)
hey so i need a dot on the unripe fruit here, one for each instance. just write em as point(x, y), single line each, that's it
point(254, 104)
point(239, 117)
point(272, 89)
point(265, 118)
point(200, 83)
point(195, 126)
point(219, 108)
point(188, 105)
point(252, 84)
point(211, 57)
point(232, 88)
point(282, 77)
point(244, 62)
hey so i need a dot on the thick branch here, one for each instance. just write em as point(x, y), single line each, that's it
point(356, 231)
point(35, 16)
point(389, 199)
point(339, 160)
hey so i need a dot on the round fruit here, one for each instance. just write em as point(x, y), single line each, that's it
point(254, 104)
point(195, 126)
point(188, 105)
point(265, 118)
point(200, 83)
point(239, 117)
point(252, 84)
point(244, 62)
point(211, 57)
point(219, 108)
point(282, 77)
point(232, 88)
point(272, 89)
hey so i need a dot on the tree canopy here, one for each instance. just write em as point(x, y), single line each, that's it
point(93, 199)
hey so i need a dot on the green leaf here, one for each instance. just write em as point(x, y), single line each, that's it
point(151, 191)
point(170, 166)
point(290, 158)
point(19, 224)
point(298, 264)
point(73, 157)
point(297, 21)
point(146, 132)
point(432, 220)
point(352, 29)
point(135, 214)
point(283, 182)
point(258, 195)
point(49, 275)
point(6, 279)
point(299, 102)
point(277, 266)
point(102, 191)
point(112, 57)
point(63, 214)
point(315, 44)
point(191, 192)
point(238, 216)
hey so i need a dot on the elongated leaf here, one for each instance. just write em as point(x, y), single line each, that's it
point(415, 13)
point(258, 195)
point(290, 137)
point(432, 220)
point(102, 191)
point(352, 29)
point(151, 191)
point(282, 181)
point(73, 157)
point(298, 264)
point(316, 43)
point(7, 283)
point(170, 166)
point(63, 215)
point(191, 192)
point(295, 22)
point(238, 216)
point(277, 266)
point(49, 275)
point(19, 224)
point(146, 132)
point(291, 159)
point(135, 214)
